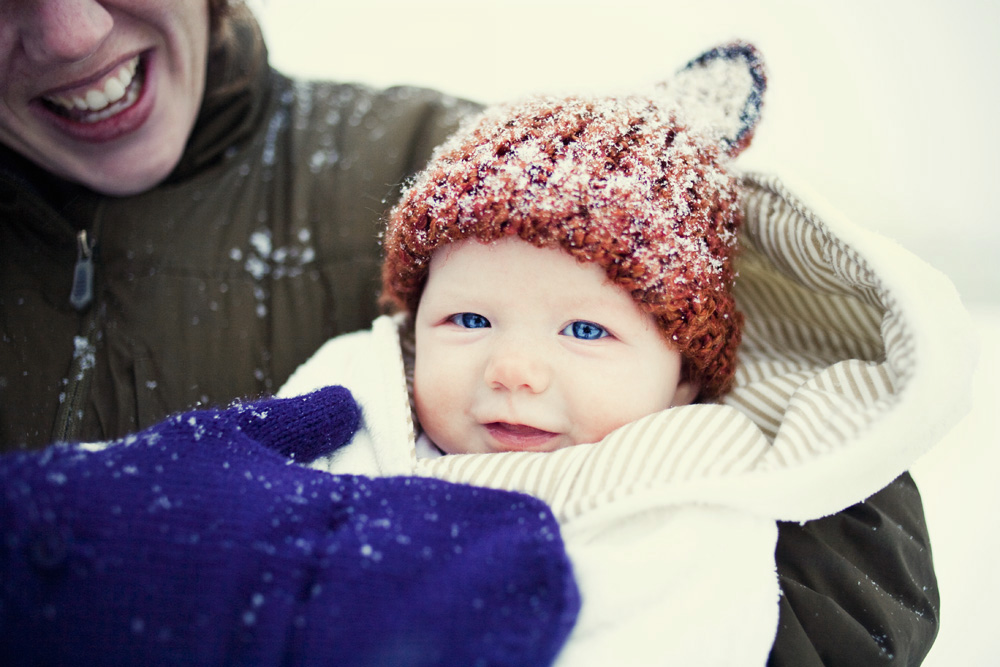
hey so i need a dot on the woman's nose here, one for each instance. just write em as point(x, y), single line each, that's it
point(54, 31)
point(516, 366)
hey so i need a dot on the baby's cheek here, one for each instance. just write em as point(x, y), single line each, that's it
point(426, 398)
point(620, 409)
point(597, 419)
point(435, 396)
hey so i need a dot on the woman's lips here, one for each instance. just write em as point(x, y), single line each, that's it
point(113, 105)
point(515, 437)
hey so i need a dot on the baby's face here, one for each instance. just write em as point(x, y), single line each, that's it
point(524, 348)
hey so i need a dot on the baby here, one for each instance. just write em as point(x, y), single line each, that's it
point(567, 266)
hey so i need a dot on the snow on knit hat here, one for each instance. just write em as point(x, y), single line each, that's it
point(637, 184)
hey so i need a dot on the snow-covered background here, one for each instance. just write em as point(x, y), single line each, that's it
point(885, 107)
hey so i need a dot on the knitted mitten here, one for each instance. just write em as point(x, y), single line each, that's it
point(198, 542)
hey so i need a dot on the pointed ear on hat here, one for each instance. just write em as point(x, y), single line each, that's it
point(720, 92)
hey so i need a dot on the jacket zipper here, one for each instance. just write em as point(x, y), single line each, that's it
point(69, 418)
point(82, 292)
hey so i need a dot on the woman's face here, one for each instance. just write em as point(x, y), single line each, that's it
point(102, 93)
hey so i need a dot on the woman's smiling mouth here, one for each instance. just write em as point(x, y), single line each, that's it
point(107, 107)
point(109, 95)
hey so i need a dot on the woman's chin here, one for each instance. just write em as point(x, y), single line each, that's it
point(124, 173)
point(116, 183)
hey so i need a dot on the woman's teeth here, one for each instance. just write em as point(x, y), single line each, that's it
point(102, 96)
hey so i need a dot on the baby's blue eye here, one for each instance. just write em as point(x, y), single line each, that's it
point(584, 330)
point(470, 321)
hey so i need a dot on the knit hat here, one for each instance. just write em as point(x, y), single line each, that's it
point(637, 184)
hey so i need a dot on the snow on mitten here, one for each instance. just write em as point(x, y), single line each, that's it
point(303, 428)
point(196, 542)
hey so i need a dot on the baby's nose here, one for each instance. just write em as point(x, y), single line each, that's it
point(516, 365)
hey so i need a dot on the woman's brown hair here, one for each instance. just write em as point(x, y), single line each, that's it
point(218, 10)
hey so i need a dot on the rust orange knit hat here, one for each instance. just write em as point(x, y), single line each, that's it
point(636, 184)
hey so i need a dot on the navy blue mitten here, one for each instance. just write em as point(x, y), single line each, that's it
point(199, 542)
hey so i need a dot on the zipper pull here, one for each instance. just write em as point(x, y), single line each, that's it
point(83, 273)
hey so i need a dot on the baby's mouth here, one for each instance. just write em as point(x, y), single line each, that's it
point(519, 436)
point(98, 101)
